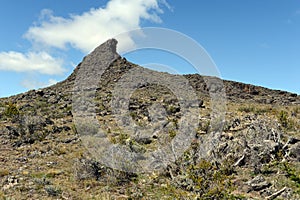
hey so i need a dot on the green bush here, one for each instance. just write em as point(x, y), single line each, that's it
point(11, 111)
point(283, 118)
point(292, 173)
point(285, 121)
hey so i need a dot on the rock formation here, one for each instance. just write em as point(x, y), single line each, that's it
point(44, 153)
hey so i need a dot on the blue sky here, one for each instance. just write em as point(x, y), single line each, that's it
point(255, 42)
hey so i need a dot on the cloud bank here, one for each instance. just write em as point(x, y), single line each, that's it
point(83, 32)
point(33, 61)
point(33, 84)
point(88, 30)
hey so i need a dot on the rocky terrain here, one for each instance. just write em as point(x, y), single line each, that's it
point(43, 152)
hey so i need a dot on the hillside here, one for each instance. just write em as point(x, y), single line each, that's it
point(44, 152)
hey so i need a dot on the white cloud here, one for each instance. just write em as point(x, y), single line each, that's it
point(33, 84)
point(41, 62)
point(88, 30)
point(52, 81)
point(83, 32)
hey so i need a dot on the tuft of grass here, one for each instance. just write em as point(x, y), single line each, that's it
point(53, 173)
point(172, 109)
point(254, 109)
point(247, 109)
point(172, 133)
point(285, 121)
point(260, 111)
point(204, 127)
point(4, 172)
point(41, 182)
point(123, 137)
point(53, 191)
point(283, 118)
point(296, 111)
point(292, 173)
point(11, 111)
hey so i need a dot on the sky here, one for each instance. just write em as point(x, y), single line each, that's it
point(256, 42)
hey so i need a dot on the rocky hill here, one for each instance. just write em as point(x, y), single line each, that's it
point(252, 151)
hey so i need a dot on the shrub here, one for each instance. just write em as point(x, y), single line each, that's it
point(11, 111)
point(30, 129)
point(292, 173)
point(172, 133)
point(52, 191)
point(285, 121)
point(283, 118)
point(86, 169)
point(204, 178)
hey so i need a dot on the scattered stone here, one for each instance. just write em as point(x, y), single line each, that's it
point(258, 183)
